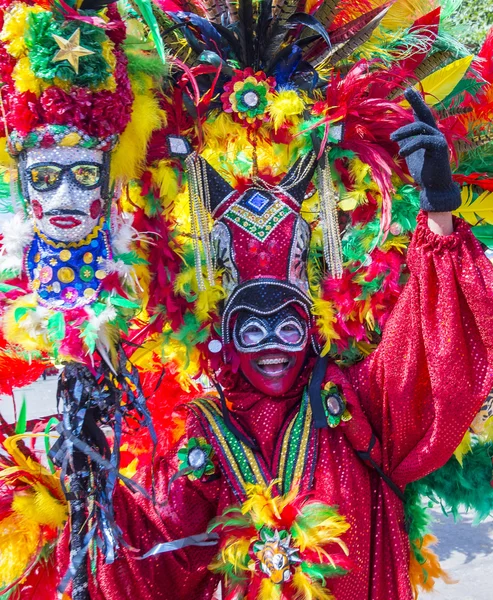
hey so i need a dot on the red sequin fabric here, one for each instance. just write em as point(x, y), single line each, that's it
point(418, 393)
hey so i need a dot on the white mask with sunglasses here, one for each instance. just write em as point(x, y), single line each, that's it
point(65, 189)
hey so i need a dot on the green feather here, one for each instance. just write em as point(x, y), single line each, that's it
point(21, 424)
point(468, 486)
point(146, 10)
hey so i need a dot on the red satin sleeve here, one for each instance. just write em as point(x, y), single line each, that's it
point(182, 509)
point(425, 383)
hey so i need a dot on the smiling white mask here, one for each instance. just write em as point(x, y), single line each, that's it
point(66, 189)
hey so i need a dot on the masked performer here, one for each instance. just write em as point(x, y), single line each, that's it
point(74, 125)
point(291, 480)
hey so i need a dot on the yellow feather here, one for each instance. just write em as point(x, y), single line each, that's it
point(19, 540)
point(306, 590)
point(328, 531)
point(236, 552)
point(261, 505)
point(284, 106)
point(166, 178)
point(5, 159)
point(131, 198)
point(269, 591)
point(208, 300)
point(129, 156)
point(28, 331)
point(476, 211)
point(41, 507)
point(487, 433)
point(463, 448)
point(424, 576)
point(324, 313)
point(403, 13)
point(30, 470)
point(440, 84)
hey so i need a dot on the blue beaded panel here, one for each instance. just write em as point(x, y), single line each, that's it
point(66, 276)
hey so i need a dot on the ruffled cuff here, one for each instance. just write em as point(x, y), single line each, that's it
point(425, 239)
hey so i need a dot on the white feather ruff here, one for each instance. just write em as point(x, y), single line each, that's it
point(17, 234)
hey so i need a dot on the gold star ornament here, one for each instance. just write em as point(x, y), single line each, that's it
point(70, 50)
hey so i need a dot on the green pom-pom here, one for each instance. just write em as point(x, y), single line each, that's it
point(42, 49)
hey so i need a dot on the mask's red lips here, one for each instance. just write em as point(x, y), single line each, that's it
point(65, 221)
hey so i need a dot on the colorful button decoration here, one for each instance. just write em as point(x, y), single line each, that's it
point(86, 273)
point(70, 295)
point(65, 276)
point(65, 255)
point(46, 274)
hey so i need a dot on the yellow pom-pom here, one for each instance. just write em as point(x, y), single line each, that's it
point(24, 78)
point(14, 29)
point(284, 106)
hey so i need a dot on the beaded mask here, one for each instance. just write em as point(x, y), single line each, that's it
point(259, 241)
point(66, 189)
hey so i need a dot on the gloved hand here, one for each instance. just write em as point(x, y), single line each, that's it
point(426, 152)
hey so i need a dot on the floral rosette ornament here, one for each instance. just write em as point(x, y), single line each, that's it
point(247, 97)
point(335, 405)
point(196, 459)
point(280, 547)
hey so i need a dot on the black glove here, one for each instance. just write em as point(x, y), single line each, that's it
point(426, 152)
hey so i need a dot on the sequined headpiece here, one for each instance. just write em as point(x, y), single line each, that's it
point(259, 241)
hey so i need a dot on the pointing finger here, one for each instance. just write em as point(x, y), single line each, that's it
point(419, 106)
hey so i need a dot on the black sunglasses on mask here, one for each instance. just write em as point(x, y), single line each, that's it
point(45, 177)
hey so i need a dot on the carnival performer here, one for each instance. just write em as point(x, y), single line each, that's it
point(290, 481)
point(69, 264)
point(340, 371)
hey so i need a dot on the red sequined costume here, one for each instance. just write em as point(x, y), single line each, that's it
point(418, 392)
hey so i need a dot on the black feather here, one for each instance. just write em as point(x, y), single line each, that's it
point(245, 14)
point(231, 39)
point(263, 25)
point(311, 22)
point(95, 4)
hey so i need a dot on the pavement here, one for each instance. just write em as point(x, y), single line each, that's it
point(465, 550)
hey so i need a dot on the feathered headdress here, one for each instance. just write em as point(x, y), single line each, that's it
point(258, 85)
